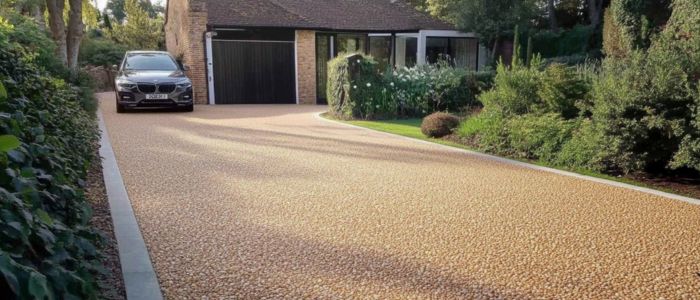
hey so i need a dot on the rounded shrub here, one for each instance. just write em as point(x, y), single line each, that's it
point(439, 124)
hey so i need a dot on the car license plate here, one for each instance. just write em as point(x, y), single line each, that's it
point(156, 96)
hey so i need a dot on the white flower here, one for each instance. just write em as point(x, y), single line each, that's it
point(369, 84)
point(391, 84)
point(377, 105)
point(358, 61)
point(354, 87)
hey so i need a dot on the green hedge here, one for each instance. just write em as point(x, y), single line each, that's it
point(47, 249)
point(359, 89)
point(98, 51)
point(579, 40)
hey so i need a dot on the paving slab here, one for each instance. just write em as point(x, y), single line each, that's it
point(251, 202)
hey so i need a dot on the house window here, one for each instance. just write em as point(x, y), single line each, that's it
point(406, 51)
point(351, 43)
point(380, 50)
point(461, 52)
point(323, 55)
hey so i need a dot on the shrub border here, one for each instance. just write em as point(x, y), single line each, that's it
point(140, 280)
point(527, 165)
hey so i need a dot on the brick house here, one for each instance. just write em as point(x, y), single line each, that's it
point(275, 51)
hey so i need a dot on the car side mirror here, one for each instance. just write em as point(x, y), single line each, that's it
point(185, 67)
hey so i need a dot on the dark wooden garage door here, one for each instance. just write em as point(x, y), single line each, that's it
point(254, 72)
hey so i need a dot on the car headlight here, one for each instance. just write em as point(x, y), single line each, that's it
point(184, 85)
point(125, 84)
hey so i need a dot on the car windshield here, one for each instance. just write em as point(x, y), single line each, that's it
point(150, 61)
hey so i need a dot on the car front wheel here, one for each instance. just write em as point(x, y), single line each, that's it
point(188, 108)
point(120, 108)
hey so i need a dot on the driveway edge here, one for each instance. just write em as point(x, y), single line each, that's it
point(140, 279)
point(527, 165)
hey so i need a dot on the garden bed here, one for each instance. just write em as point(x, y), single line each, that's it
point(111, 283)
point(681, 185)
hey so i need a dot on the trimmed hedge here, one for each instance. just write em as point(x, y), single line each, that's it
point(47, 249)
point(439, 124)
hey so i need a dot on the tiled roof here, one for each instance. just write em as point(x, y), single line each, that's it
point(362, 15)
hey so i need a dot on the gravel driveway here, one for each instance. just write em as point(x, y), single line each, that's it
point(250, 202)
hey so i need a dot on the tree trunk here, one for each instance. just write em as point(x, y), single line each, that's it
point(38, 15)
point(594, 11)
point(75, 32)
point(58, 27)
point(494, 50)
point(551, 11)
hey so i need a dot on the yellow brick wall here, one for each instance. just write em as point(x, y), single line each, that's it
point(184, 39)
point(306, 66)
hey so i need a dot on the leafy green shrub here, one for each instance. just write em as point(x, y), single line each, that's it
point(436, 87)
point(37, 41)
point(357, 89)
point(561, 89)
point(515, 89)
point(487, 130)
point(539, 136)
point(583, 151)
point(439, 124)
point(101, 52)
point(47, 249)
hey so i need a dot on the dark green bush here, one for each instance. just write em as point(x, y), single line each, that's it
point(101, 52)
point(577, 41)
point(439, 124)
point(47, 249)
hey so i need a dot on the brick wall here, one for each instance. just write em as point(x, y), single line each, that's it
point(306, 66)
point(184, 39)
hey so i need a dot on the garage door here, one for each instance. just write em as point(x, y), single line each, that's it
point(254, 72)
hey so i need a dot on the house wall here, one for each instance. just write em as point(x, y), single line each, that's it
point(306, 66)
point(184, 39)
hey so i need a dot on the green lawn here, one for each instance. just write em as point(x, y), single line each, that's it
point(411, 128)
point(406, 127)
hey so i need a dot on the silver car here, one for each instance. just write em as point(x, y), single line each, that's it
point(152, 79)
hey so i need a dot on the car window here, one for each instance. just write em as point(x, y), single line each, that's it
point(148, 61)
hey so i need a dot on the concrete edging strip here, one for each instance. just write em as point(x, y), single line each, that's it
point(140, 279)
point(528, 165)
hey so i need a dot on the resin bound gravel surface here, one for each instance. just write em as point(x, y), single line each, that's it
point(251, 202)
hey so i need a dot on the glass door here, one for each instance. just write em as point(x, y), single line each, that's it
point(324, 42)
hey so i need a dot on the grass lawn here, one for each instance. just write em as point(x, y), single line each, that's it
point(411, 128)
point(406, 127)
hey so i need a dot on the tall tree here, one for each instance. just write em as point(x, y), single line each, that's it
point(117, 8)
point(595, 11)
point(492, 18)
point(67, 38)
point(76, 29)
point(552, 15)
point(139, 30)
point(58, 28)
